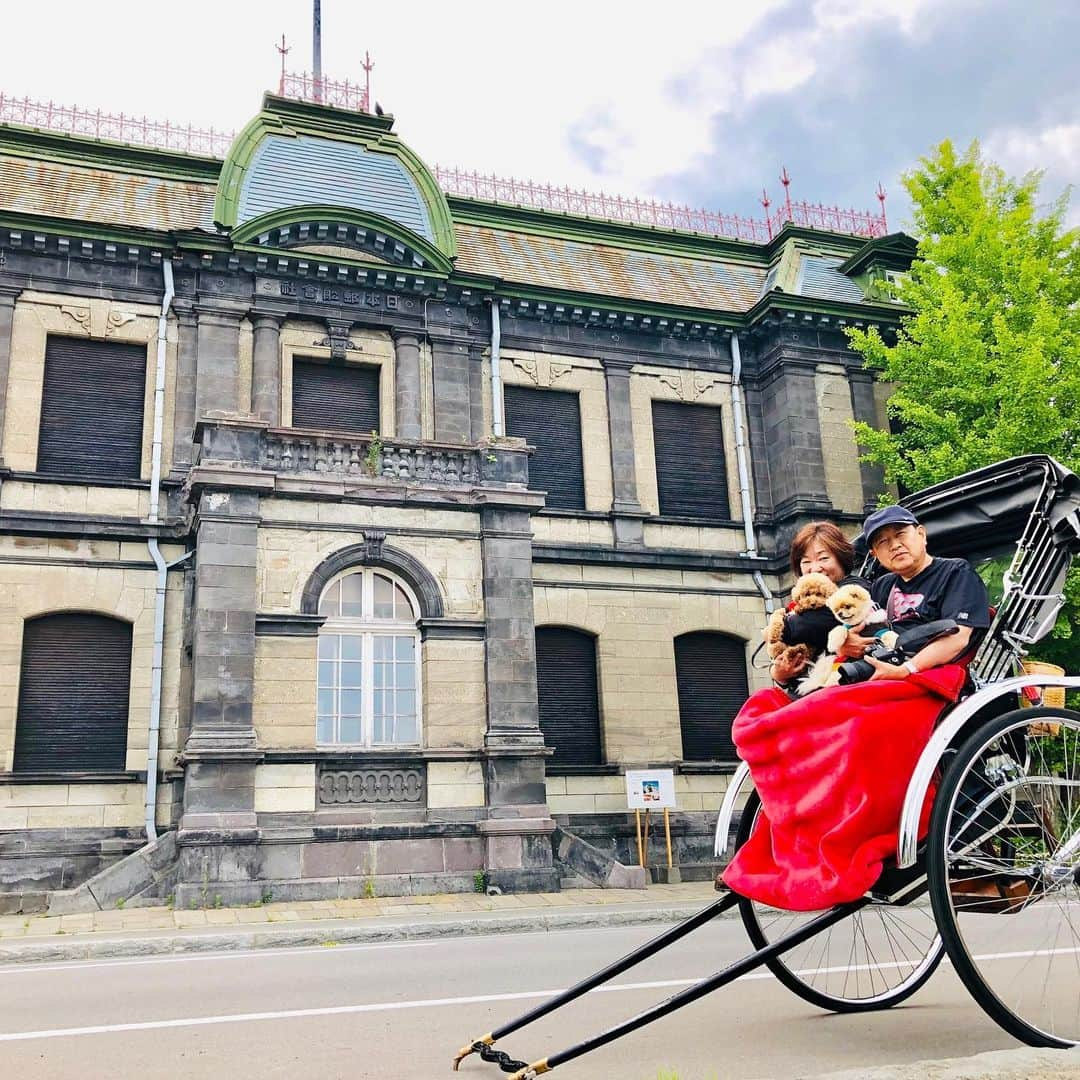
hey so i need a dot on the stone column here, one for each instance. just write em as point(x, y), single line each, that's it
point(8, 296)
point(625, 508)
point(407, 415)
point(266, 368)
point(864, 407)
point(222, 662)
point(217, 385)
point(518, 830)
point(793, 441)
point(184, 401)
point(450, 379)
point(477, 426)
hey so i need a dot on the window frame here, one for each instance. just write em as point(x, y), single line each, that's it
point(367, 628)
point(117, 727)
point(580, 497)
point(697, 514)
point(301, 359)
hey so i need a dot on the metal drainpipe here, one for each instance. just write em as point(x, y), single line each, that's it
point(738, 408)
point(496, 372)
point(154, 727)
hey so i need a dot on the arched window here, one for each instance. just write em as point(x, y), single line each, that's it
point(566, 686)
point(369, 662)
point(74, 682)
point(711, 672)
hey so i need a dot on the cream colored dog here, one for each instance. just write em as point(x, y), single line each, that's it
point(852, 605)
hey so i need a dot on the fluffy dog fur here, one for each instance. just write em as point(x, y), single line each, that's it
point(852, 605)
point(810, 591)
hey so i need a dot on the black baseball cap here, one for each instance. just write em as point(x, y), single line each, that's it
point(887, 515)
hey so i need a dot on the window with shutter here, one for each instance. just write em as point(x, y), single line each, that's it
point(566, 684)
point(335, 397)
point(710, 669)
point(691, 472)
point(92, 404)
point(550, 420)
point(73, 694)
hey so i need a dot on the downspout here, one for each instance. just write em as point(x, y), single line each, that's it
point(738, 409)
point(496, 371)
point(154, 729)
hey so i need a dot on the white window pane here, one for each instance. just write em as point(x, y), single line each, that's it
point(351, 703)
point(326, 703)
point(380, 704)
point(325, 729)
point(384, 647)
point(384, 729)
point(352, 647)
point(352, 596)
point(406, 730)
point(328, 646)
point(402, 607)
point(331, 600)
point(351, 675)
point(326, 672)
point(405, 705)
point(405, 649)
point(384, 597)
point(350, 729)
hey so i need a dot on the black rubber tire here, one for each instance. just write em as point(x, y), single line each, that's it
point(830, 1002)
point(940, 896)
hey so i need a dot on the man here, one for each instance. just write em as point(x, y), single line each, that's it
point(920, 589)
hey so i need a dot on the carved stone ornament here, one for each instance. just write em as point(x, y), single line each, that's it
point(338, 340)
point(373, 543)
point(542, 371)
point(371, 785)
point(687, 385)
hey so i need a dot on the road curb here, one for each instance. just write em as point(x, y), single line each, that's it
point(328, 933)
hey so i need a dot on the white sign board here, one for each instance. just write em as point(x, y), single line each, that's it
point(650, 789)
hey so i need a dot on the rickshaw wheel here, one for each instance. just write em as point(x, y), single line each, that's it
point(876, 958)
point(1004, 863)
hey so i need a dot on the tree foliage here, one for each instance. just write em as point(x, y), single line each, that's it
point(986, 365)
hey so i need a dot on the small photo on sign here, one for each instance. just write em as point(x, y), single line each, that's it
point(650, 789)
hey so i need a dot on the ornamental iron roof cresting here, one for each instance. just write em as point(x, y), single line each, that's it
point(210, 142)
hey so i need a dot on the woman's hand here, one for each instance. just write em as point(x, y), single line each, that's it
point(783, 672)
point(883, 671)
point(855, 644)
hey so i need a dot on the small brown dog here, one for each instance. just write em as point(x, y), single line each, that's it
point(811, 593)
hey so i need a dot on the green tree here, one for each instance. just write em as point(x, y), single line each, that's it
point(986, 364)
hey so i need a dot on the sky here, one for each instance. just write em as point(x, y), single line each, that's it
point(688, 102)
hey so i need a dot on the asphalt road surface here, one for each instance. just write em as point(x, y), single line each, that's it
point(400, 1011)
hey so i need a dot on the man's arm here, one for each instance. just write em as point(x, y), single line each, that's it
point(942, 651)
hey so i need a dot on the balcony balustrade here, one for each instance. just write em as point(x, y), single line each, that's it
point(238, 443)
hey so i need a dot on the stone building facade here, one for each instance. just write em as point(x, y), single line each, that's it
point(280, 547)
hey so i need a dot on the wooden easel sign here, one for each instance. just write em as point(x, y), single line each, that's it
point(650, 789)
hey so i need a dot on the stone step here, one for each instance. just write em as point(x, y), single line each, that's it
point(148, 873)
point(579, 858)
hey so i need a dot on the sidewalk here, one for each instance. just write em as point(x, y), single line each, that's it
point(147, 931)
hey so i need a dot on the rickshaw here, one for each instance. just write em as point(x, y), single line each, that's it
point(995, 882)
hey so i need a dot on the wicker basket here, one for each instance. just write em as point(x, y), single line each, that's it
point(1054, 696)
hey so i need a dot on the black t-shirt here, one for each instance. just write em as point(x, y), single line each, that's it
point(946, 589)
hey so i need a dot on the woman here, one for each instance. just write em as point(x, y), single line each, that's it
point(821, 548)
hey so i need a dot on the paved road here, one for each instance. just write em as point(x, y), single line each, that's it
point(399, 1011)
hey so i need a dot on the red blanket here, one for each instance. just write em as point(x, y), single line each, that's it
point(832, 770)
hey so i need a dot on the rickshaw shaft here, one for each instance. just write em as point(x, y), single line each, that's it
point(714, 982)
point(651, 947)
